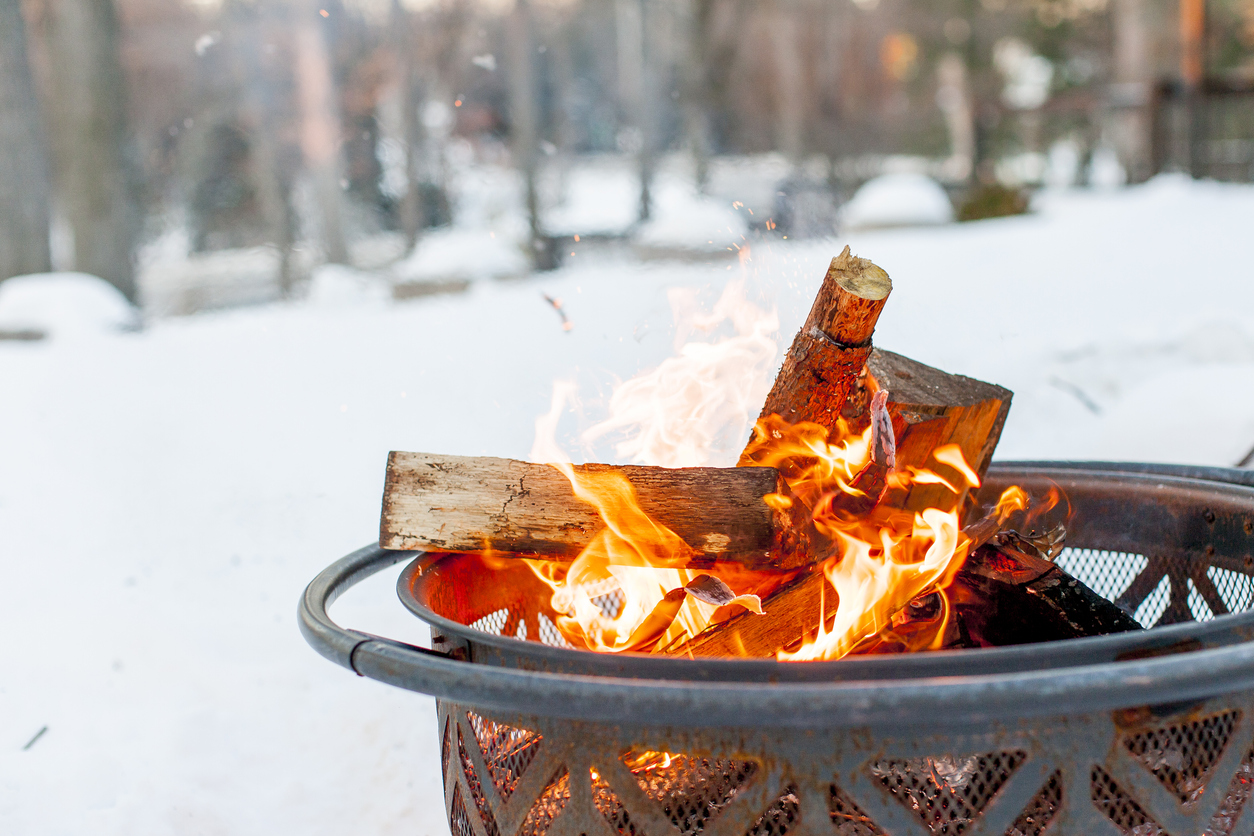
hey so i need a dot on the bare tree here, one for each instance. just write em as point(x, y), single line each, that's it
point(23, 168)
point(93, 177)
point(320, 130)
point(525, 124)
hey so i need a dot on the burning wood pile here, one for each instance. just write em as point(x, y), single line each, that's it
point(850, 525)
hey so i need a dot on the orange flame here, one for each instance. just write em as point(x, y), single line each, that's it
point(629, 588)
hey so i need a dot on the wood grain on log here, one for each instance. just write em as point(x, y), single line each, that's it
point(931, 408)
point(465, 504)
point(790, 614)
point(831, 349)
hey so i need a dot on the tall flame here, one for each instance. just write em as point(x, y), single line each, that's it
point(629, 588)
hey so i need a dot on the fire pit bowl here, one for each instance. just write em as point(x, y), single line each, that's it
point(1141, 733)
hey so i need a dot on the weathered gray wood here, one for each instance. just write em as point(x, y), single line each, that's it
point(454, 503)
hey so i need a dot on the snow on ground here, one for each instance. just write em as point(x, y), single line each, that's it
point(165, 495)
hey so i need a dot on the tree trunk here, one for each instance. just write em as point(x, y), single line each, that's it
point(23, 167)
point(791, 82)
point(94, 179)
point(633, 80)
point(525, 125)
point(695, 90)
point(320, 131)
point(411, 209)
point(1134, 74)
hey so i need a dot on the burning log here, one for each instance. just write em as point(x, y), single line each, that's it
point(1009, 592)
point(467, 504)
point(829, 352)
point(929, 409)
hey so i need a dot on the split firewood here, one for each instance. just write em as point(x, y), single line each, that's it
point(828, 354)
point(929, 409)
point(468, 504)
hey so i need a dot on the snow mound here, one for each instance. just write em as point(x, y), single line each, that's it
point(599, 200)
point(685, 220)
point(898, 200)
point(337, 286)
point(63, 304)
point(459, 253)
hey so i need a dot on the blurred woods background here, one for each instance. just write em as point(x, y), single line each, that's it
point(215, 152)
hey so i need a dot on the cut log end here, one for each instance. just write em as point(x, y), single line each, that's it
point(849, 301)
point(860, 277)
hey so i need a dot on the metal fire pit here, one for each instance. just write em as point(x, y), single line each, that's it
point(1140, 733)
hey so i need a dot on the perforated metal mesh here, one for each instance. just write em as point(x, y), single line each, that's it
point(1105, 572)
point(476, 788)
point(458, 820)
point(1237, 794)
point(947, 793)
point(690, 790)
point(493, 622)
point(1119, 807)
point(551, 801)
point(549, 634)
point(609, 806)
point(507, 751)
point(1147, 586)
point(780, 817)
point(1041, 810)
point(849, 818)
point(1151, 610)
point(1183, 755)
point(1235, 588)
point(611, 603)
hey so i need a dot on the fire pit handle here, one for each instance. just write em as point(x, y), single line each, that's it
point(330, 639)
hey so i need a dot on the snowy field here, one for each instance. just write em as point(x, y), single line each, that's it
point(166, 494)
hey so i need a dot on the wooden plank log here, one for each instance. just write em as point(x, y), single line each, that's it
point(931, 408)
point(466, 504)
point(829, 352)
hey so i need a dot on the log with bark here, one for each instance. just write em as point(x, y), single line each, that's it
point(468, 504)
point(828, 354)
point(928, 408)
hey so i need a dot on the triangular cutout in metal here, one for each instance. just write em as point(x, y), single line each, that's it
point(507, 751)
point(1041, 810)
point(1119, 807)
point(476, 788)
point(1239, 790)
point(947, 793)
point(849, 818)
point(690, 790)
point(458, 818)
point(608, 804)
point(780, 817)
point(551, 802)
point(1182, 756)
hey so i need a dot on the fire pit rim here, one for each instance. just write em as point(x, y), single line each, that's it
point(949, 701)
point(507, 651)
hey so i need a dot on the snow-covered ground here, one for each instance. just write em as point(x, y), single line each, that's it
point(166, 494)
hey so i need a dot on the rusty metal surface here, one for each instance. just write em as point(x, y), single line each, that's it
point(1145, 745)
point(1078, 774)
